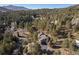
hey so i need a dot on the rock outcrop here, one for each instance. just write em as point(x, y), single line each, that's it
point(43, 41)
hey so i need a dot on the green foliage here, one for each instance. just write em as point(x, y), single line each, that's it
point(40, 19)
point(66, 43)
point(7, 44)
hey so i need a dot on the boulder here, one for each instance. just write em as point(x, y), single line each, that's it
point(77, 43)
point(43, 41)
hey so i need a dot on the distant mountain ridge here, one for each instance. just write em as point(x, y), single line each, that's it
point(74, 6)
point(15, 8)
point(4, 9)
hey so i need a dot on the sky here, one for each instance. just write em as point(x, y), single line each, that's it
point(39, 6)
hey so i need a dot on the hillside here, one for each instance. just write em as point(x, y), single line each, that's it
point(3, 9)
point(15, 8)
point(40, 32)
